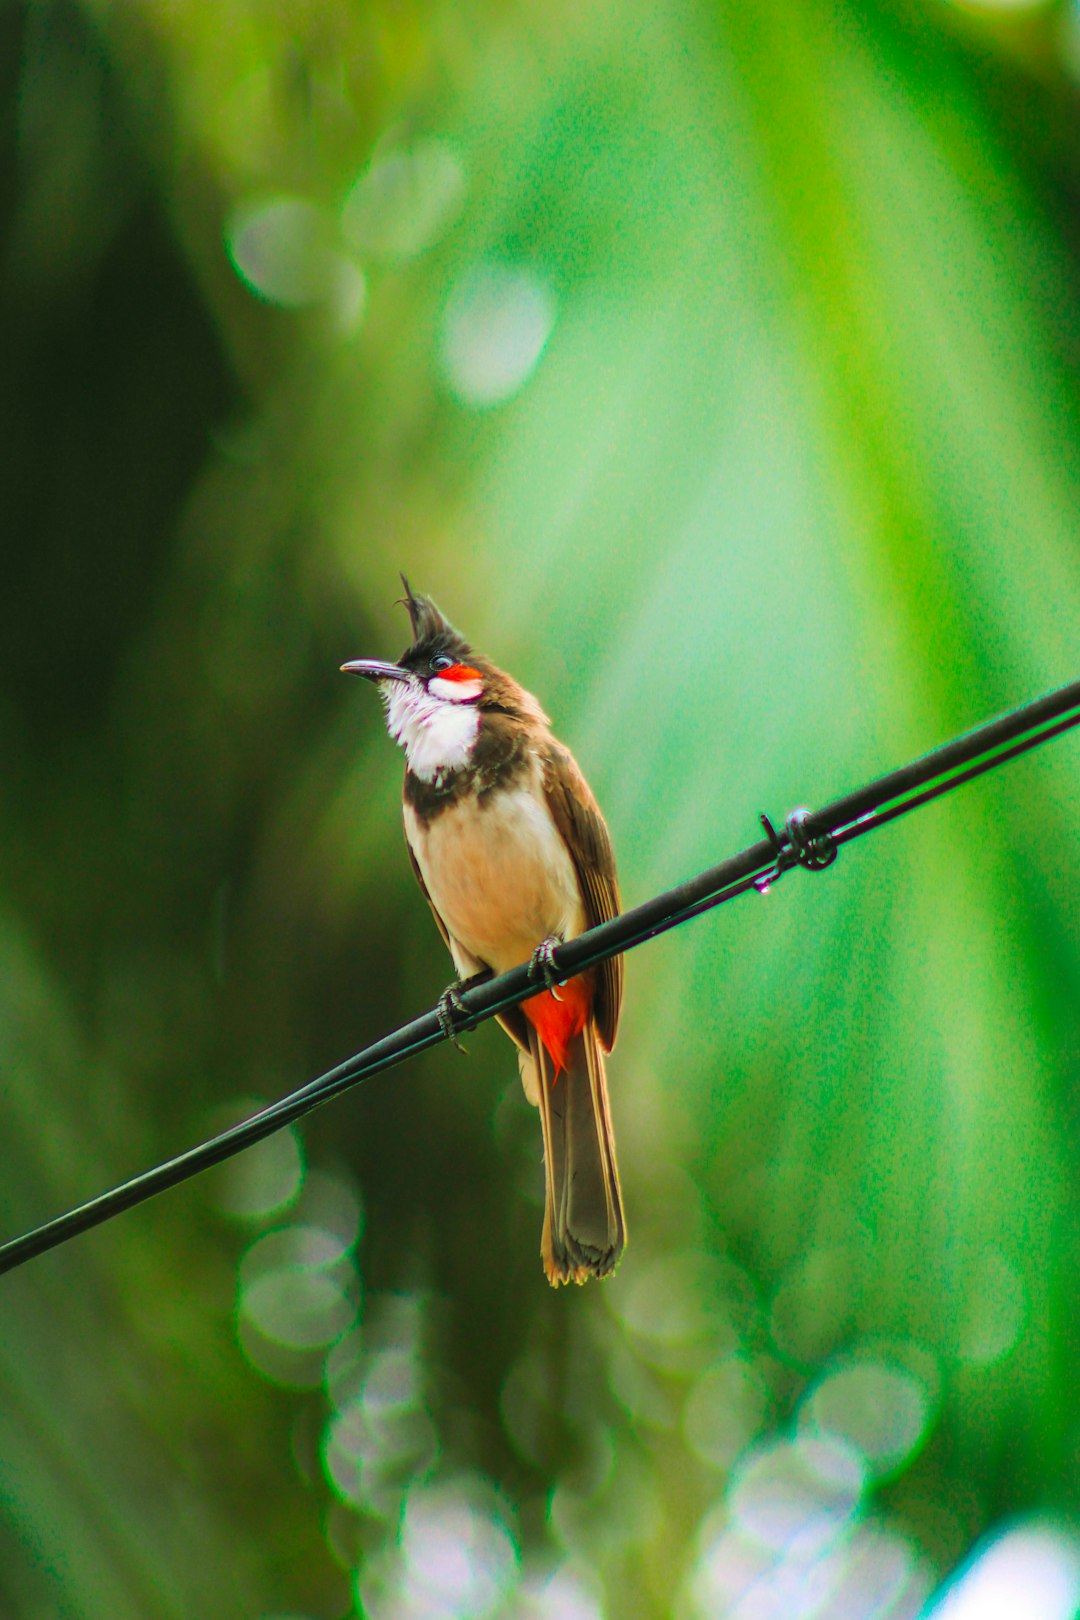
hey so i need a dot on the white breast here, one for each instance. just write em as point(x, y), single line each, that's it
point(436, 735)
point(499, 874)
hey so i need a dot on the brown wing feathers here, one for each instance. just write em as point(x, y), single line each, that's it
point(577, 816)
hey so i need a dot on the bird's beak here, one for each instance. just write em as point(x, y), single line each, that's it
point(372, 670)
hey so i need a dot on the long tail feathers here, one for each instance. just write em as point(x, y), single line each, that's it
point(584, 1225)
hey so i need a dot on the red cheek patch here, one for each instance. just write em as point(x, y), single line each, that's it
point(460, 672)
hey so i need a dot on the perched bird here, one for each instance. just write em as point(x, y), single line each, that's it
point(513, 856)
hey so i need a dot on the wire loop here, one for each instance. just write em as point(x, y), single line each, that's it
point(797, 848)
point(815, 852)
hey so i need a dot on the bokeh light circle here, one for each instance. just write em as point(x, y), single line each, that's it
point(496, 326)
point(880, 1410)
point(801, 1489)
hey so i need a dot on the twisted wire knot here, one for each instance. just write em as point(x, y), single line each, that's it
point(814, 852)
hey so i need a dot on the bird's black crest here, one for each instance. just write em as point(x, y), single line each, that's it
point(432, 631)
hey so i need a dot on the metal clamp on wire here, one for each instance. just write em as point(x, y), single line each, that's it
point(797, 849)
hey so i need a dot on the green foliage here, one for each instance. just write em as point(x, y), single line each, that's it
point(712, 366)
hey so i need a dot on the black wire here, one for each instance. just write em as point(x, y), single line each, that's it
point(810, 839)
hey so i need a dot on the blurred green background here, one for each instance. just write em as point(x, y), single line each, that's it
point(717, 368)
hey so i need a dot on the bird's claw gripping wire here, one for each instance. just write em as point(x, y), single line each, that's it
point(542, 964)
point(448, 1009)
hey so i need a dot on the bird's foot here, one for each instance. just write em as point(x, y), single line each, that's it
point(448, 1009)
point(542, 964)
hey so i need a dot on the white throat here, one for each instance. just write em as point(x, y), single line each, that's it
point(437, 734)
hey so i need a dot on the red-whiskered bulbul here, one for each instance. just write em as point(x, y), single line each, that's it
point(511, 851)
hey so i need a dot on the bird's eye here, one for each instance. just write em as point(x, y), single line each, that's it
point(441, 662)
